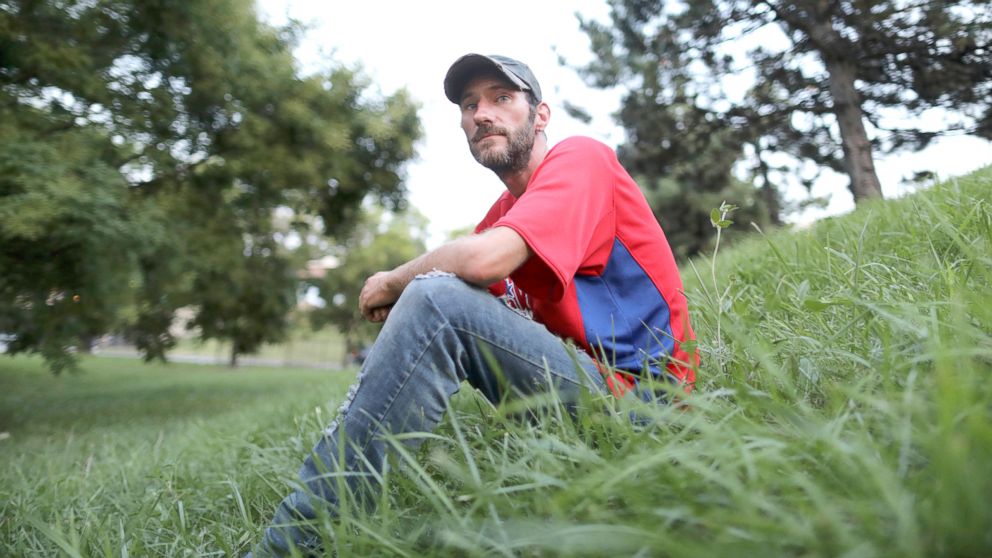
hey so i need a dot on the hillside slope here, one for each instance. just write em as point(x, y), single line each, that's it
point(843, 408)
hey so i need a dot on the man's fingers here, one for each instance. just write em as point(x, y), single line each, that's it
point(376, 315)
point(382, 313)
point(375, 295)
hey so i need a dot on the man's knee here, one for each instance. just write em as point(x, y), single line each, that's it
point(435, 287)
point(445, 296)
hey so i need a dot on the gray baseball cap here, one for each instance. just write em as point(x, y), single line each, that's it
point(466, 67)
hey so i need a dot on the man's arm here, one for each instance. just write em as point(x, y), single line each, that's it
point(481, 259)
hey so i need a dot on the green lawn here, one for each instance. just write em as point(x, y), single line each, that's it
point(844, 408)
point(126, 458)
point(303, 347)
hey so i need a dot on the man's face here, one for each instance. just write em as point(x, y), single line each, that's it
point(498, 123)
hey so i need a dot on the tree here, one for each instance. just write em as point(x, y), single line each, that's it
point(68, 242)
point(184, 127)
point(381, 242)
point(841, 64)
point(247, 302)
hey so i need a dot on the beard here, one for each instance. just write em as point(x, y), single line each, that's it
point(514, 157)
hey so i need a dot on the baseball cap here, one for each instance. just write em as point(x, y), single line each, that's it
point(469, 65)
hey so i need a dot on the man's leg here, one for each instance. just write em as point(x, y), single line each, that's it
point(440, 332)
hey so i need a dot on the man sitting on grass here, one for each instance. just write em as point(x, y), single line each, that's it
point(569, 256)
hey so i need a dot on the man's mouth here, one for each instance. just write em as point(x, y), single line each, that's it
point(481, 135)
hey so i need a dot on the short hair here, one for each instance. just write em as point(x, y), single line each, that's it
point(532, 100)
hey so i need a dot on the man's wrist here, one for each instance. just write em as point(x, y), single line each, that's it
point(394, 283)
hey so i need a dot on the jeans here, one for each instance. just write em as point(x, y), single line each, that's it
point(442, 331)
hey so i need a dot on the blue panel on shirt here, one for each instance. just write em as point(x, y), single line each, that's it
point(626, 320)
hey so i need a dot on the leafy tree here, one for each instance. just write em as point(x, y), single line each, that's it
point(247, 302)
point(381, 242)
point(843, 63)
point(183, 126)
point(68, 241)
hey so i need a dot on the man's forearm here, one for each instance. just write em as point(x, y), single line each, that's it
point(479, 259)
point(442, 258)
point(384, 288)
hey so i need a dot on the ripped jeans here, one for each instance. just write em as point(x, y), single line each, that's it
point(441, 332)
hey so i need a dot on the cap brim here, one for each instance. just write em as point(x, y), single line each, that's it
point(470, 65)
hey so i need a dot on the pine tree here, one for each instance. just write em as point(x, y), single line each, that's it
point(827, 96)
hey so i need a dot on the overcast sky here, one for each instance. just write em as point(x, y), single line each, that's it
point(411, 44)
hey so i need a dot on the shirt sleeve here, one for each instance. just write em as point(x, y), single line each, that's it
point(562, 215)
point(498, 209)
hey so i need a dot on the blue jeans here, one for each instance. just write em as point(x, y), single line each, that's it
point(441, 332)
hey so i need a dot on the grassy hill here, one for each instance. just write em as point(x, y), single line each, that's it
point(844, 407)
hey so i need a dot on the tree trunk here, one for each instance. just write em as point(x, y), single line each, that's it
point(234, 358)
point(854, 139)
point(770, 196)
point(769, 193)
point(85, 345)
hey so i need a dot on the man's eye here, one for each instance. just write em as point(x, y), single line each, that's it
point(503, 98)
point(469, 106)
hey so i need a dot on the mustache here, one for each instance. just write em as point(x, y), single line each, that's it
point(488, 131)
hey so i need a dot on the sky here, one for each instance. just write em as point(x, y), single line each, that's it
point(412, 44)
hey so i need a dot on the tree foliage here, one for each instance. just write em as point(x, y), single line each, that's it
point(67, 241)
point(714, 82)
point(145, 148)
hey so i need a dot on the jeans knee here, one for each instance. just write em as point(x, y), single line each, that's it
point(433, 288)
point(446, 294)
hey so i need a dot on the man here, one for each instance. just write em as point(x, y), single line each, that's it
point(571, 252)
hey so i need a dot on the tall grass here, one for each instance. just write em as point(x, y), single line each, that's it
point(845, 410)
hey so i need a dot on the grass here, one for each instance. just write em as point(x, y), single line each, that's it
point(126, 458)
point(845, 411)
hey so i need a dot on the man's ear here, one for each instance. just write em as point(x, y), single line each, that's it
point(542, 117)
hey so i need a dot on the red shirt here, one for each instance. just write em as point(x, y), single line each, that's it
point(602, 273)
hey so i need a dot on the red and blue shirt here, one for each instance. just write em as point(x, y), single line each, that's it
point(602, 273)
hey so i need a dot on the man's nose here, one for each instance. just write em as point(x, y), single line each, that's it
point(483, 113)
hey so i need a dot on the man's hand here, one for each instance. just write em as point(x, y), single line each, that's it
point(377, 297)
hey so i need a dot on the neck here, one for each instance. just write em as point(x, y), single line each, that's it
point(516, 182)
